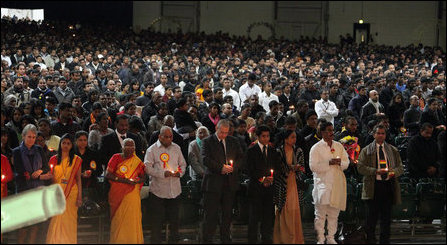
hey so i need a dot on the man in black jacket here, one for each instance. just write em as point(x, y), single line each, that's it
point(355, 104)
point(261, 161)
point(412, 116)
point(221, 157)
point(386, 95)
point(372, 109)
point(113, 143)
point(423, 154)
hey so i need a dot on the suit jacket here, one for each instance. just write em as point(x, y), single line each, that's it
point(214, 158)
point(258, 167)
point(369, 112)
point(110, 145)
point(367, 167)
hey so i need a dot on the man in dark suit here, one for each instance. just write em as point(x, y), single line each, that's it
point(113, 143)
point(222, 158)
point(372, 109)
point(261, 160)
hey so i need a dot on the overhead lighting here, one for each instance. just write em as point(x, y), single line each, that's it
point(360, 21)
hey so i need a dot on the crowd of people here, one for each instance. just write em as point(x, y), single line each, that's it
point(83, 103)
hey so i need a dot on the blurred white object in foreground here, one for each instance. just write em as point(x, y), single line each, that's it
point(31, 207)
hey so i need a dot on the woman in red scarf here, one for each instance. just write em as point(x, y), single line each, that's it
point(125, 173)
point(210, 121)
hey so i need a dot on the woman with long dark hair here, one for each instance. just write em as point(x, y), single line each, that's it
point(90, 169)
point(396, 112)
point(66, 167)
point(37, 109)
point(288, 227)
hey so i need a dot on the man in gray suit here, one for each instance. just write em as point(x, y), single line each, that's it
point(222, 157)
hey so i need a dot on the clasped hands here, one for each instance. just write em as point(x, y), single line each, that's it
point(335, 161)
point(39, 172)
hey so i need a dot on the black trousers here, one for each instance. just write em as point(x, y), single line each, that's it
point(211, 203)
point(380, 206)
point(161, 209)
point(261, 210)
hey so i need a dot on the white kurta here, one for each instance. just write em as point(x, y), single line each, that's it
point(326, 109)
point(324, 174)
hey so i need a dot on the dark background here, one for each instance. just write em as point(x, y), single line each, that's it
point(112, 12)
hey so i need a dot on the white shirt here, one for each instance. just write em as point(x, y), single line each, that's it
point(8, 59)
point(235, 95)
point(323, 173)
point(262, 148)
point(264, 100)
point(326, 109)
point(378, 177)
point(120, 139)
point(160, 89)
point(245, 91)
point(159, 185)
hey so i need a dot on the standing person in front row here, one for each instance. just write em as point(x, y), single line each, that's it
point(30, 169)
point(165, 164)
point(380, 165)
point(125, 172)
point(222, 157)
point(327, 161)
point(261, 161)
point(288, 227)
point(66, 167)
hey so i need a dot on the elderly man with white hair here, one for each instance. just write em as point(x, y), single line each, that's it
point(165, 164)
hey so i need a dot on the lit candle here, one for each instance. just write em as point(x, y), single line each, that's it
point(386, 169)
point(271, 172)
point(3, 177)
point(179, 169)
point(51, 167)
point(231, 163)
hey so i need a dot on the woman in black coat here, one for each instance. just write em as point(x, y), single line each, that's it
point(396, 113)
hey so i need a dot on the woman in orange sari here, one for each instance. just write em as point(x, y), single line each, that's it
point(66, 167)
point(125, 173)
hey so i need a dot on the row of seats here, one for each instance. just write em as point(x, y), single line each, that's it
point(420, 200)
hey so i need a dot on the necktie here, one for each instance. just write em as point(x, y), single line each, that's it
point(123, 137)
point(264, 151)
point(223, 149)
point(382, 162)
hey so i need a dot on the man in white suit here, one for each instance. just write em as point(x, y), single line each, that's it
point(327, 161)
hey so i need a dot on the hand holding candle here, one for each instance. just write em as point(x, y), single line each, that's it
point(231, 163)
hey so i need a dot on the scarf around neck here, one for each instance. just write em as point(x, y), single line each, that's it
point(375, 104)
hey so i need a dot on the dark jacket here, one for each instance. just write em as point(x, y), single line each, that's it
point(21, 181)
point(421, 154)
point(110, 145)
point(214, 158)
point(184, 120)
point(258, 166)
point(412, 116)
point(356, 104)
point(369, 113)
point(60, 129)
